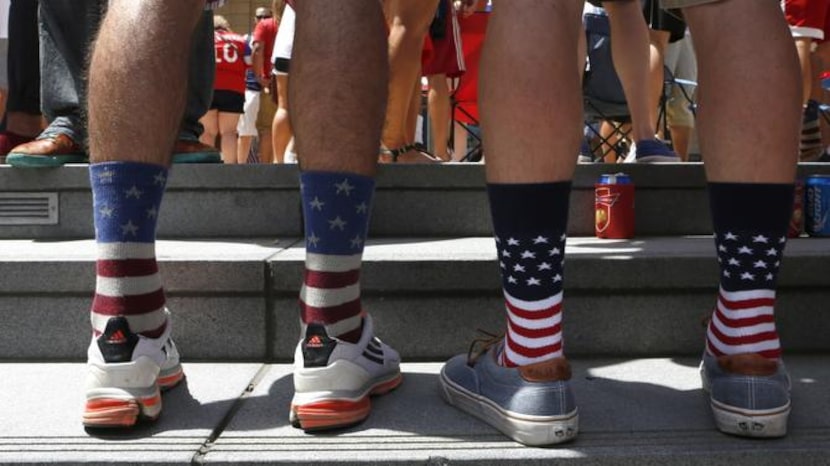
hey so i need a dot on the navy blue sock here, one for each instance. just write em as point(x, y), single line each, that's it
point(530, 223)
point(750, 222)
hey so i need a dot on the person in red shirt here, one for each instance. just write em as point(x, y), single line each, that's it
point(264, 35)
point(233, 58)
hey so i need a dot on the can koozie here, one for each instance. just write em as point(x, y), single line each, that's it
point(614, 207)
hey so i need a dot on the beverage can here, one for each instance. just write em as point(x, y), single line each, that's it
point(817, 205)
point(614, 206)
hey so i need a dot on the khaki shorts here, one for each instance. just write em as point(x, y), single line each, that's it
point(267, 110)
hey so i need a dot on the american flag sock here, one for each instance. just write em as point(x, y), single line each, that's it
point(126, 199)
point(529, 221)
point(750, 222)
point(336, 208)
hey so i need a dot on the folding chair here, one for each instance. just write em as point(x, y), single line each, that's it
point(465, 114)
point(602, 92)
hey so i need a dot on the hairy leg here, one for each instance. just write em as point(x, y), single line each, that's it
point(347, 37)
point(136, 99)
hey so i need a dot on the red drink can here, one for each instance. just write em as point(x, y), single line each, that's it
point(614, 206)
point(797, 219)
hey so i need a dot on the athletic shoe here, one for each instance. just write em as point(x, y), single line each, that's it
point(749, 394)
point(126, 373)
point(650, 151)
point(334, 379)
point(532, 404)
point(585, 153)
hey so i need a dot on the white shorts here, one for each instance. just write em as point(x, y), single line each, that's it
point(247, 121)
point(284, 44)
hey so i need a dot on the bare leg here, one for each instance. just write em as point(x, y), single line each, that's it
point(738, 109)
point(658, 41)
point(210, 122)
point(281, 129)
point(537, 121)
point(408, 22)
point(227, 130)
point(348, 39)
point(680, 137)
point(439, 114)
point(630, 50)
point(243, 147)
point(128, 83)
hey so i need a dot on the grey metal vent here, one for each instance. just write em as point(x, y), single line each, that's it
point(28, 208)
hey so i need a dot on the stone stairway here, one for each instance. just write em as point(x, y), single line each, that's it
point(231, 254)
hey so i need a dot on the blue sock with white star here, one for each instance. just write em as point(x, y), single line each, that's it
point(530, 223)
point(750, 222)
point(126, 199)
point(336, 209)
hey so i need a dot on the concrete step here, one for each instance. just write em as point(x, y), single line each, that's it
point(236, 299)
point(412, 201)
point(632, 412)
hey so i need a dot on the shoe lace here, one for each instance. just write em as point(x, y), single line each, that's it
point(481, 344)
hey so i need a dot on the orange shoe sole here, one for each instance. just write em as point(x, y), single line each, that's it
point(111, 412)
point(336, 414)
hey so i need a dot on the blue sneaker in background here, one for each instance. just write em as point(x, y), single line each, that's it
point(651, 151)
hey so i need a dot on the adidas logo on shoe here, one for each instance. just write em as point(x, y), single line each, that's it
point(334, 379)
point(126, 373)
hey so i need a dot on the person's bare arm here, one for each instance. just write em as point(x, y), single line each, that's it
point(258, 58)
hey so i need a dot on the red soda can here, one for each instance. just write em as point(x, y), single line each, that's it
point(614, 206)
point(797, 219)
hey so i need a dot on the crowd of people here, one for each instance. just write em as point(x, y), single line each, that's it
point(351, 69)
point(246, 119)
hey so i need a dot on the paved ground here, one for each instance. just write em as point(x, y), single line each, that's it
point(641, 411)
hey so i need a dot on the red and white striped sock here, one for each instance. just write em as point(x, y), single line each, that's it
point(750, 223)
point(336, 208)
point(529, 222)
point(126, 200)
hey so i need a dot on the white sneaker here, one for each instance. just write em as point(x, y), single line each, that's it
point(126, 373)
point(334, 379)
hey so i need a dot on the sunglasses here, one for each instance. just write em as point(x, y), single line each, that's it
point(263, 16)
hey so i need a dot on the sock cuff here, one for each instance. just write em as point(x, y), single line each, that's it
point(119, 173)
point(757, 207)
point(529, 207)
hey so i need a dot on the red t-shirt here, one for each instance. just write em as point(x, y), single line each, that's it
point(266, 34)
point(233, 58)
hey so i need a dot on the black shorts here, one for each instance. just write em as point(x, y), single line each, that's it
point(657, 18)
point(228, 101)
point(282, 65)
